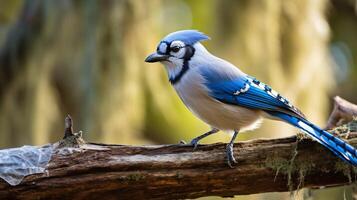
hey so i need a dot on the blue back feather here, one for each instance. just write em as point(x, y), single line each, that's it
point(223, 89)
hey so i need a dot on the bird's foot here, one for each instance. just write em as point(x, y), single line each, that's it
point(193, 143)
point(229, 156)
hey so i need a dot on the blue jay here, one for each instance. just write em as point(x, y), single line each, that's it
point(226, 98)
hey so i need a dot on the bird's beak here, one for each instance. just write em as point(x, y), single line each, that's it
point(155, 57)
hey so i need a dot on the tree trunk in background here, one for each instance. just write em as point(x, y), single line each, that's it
point(283, 43)
point(86, 60)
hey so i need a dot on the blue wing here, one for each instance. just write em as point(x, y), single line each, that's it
point(248, 92)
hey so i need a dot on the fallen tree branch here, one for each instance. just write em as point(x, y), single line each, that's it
point(97, 171)
point(80, 170)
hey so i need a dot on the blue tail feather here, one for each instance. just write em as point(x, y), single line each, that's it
point(339, 147)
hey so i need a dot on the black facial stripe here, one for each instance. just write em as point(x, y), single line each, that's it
point(168, 47)
point(190, 51)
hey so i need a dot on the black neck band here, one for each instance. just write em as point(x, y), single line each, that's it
point(190, 51)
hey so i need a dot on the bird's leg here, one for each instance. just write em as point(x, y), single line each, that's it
point(194, 141)
point(229, 150)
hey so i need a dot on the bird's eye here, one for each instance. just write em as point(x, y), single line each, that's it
point(175, 49)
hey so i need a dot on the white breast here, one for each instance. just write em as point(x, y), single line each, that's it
point(217, 114)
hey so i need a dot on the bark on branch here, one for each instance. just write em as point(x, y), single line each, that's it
point(97, 171)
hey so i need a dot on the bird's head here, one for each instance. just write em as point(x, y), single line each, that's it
point(176, 49)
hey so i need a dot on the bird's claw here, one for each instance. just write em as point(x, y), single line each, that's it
point(194, 143)
point(229, 156)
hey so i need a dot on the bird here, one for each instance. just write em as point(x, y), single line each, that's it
point(226, 98)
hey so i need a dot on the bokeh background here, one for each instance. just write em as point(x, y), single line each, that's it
point(86, 58)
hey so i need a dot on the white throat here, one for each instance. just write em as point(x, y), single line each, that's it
point(175, 66)
point(173, 69)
